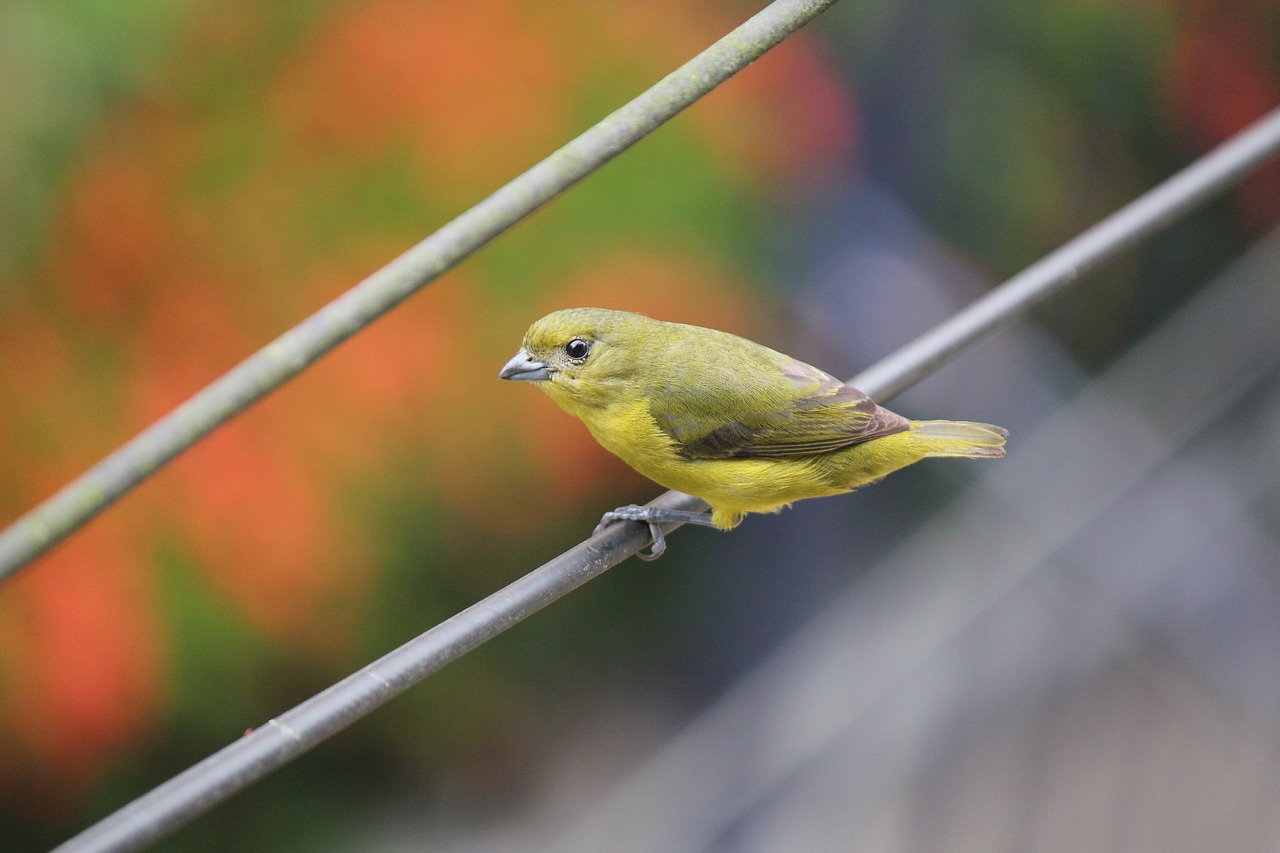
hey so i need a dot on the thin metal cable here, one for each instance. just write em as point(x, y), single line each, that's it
point(267, 748)
point(1153, 210)
point(269, 368)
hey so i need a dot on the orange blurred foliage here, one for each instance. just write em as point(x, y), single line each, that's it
point(118, 236)
point(261, 525)
point(38, 358)
point(788, 120)
point(783, 122)
point(1222, 78)
point(475, 89)
point(82, 661)
point(115, 230)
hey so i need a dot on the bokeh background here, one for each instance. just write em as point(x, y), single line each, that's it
point(1077, 649)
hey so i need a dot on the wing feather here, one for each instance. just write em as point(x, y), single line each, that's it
point(777, 410)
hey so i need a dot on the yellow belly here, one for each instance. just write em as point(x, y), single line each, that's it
point(735, 487)
point(732, 487)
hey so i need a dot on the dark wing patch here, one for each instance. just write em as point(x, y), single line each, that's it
point(825, 416)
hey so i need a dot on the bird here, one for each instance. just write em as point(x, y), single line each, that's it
point(744, 427)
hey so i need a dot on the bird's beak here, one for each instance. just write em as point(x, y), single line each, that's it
point(523, 367)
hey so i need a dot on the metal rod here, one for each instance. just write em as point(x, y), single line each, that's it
point(1153, 210)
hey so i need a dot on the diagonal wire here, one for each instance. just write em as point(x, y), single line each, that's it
point(263, 372)
point(265, 749)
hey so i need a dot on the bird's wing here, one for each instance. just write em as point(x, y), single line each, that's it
point(790, 409)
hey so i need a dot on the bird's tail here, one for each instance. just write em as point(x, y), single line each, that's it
point(959, 438)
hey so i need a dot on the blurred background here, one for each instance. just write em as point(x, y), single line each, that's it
point(1075, 649)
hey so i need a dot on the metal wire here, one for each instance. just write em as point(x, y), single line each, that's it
point(1153, 210)
point(269, 368)
point(260, 752)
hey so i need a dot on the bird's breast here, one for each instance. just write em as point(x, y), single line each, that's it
point(629, 431)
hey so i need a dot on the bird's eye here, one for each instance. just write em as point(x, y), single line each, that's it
point(577, 349)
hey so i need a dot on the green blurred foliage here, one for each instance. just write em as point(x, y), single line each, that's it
point(1023, 123)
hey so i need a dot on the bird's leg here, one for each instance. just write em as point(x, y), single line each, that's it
point(654, 516)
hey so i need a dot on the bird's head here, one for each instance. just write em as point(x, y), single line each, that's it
point(582, 357)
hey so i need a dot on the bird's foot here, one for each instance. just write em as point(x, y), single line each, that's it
point(655, 517)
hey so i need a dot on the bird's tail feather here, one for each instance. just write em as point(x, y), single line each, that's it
point(959, 438)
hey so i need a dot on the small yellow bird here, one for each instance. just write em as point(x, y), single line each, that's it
point(743, 427)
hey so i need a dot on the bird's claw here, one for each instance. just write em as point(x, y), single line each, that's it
point(641, 514)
